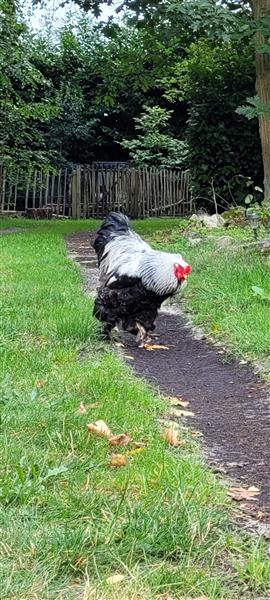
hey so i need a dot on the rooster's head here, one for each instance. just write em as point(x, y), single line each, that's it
point(181, 272)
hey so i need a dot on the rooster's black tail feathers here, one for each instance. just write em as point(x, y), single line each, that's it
point(114, 224)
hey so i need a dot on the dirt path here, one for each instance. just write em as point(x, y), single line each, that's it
point(231, 406)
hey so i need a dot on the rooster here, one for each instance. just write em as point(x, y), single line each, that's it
point(134, 279)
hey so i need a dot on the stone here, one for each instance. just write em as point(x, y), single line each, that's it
point(194, 241)
point(262, 246)
point(210, 221)
point(224, 242)
point(195, 218)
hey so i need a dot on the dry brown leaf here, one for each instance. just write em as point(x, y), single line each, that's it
point(118, 460)
point(82, 409)
point(170, 435)
point(122, 439)
point(240, 493)
point(155, 347)
point(40, 384)
point(179, 412)
point(174, 401)
point(196, 433)
point(99, 428)
point(252, 510)
point(115, 579)
point(262, 516)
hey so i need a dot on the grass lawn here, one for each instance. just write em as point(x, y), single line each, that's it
point(68, 519)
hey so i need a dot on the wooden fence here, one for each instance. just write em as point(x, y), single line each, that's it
point(92, 192)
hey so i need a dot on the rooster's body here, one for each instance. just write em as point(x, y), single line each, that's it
point(134, 279)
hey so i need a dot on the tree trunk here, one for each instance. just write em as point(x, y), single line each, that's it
point(259, 9)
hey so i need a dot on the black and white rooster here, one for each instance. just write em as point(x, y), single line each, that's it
point(134, 278)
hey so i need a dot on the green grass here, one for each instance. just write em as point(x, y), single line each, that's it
point(68, 520)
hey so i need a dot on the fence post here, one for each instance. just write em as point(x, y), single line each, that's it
point(79, 193)
point(73, 195)
point(76, 193)
point(2, 187)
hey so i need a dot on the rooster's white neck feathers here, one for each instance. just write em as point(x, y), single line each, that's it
point(128, 255)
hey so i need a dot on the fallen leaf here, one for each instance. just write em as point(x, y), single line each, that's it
point(118, 460)
point(240, 493)
point(196, 433)
point(115, 579)
point(135, 451)
point(99, 428)
point(252, 510)
point(40, 383)
point(82, 409)
point(155, 347)
point(174, 401)
point(122, 439)
point(179, 412)
point(170, 435)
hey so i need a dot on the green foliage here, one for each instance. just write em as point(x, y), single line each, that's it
point(100, 83)
point(98, 91)
point(25, 103)
point(254, 108)
point(214, 79)
point(154, 146)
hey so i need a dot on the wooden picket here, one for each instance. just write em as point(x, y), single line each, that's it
point(88, 191)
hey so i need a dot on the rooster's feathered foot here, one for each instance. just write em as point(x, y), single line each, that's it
point(142, 335)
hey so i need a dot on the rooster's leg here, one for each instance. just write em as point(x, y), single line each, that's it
point(107, 329)
point(142, 336)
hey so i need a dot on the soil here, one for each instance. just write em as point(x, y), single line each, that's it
point(230, 403)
